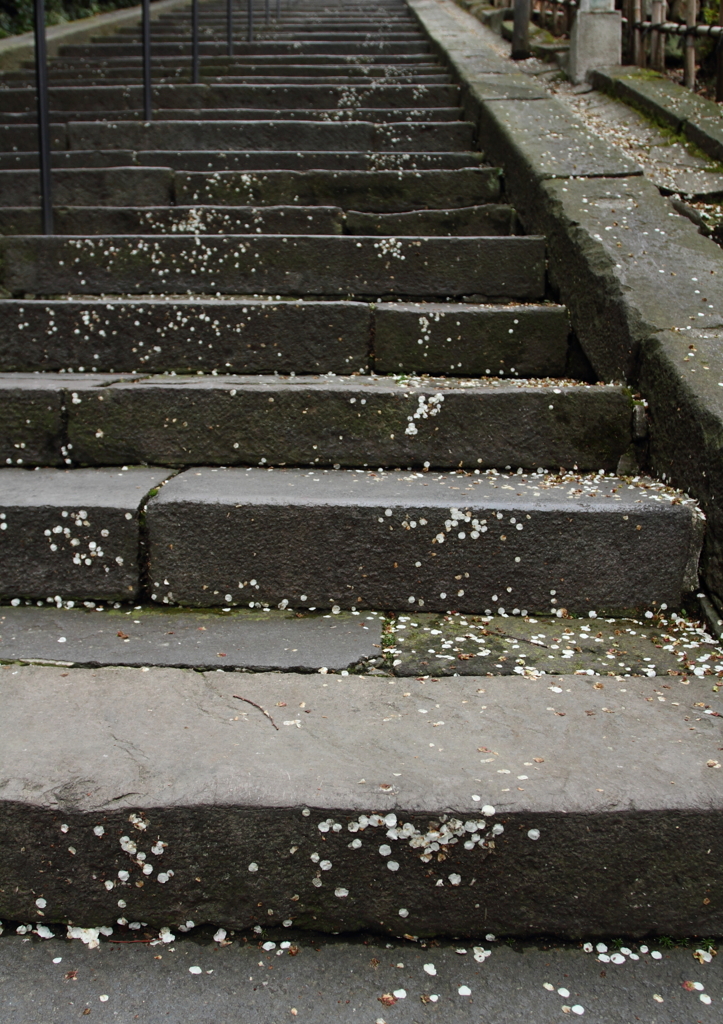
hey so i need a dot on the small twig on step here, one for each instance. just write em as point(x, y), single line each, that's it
point(262, 710)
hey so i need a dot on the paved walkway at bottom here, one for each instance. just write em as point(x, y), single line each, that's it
point(283, 976)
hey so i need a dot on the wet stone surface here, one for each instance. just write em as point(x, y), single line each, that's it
point(279, 974)
point(242, 639)
point(445, 645)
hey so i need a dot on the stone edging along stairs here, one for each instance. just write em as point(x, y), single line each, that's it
point(291, 349)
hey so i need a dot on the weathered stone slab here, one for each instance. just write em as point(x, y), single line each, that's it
point(390, 191)
point(249, 264)
point(225, 94)
point(25, 137)
point(504, 645)
point(656, 95)
point(334, 537)
point(243, 639)
point(461, 338)
point(489, 219)
point(151, 335)
point(566, 807)
point(332, 977)
point(627, 265)
point(256, 135)
point(119, 186)
point(72, 532)
point(543, 139)
point(181, 220)
point(32, 422)
point(682, 371)
point(349, 421)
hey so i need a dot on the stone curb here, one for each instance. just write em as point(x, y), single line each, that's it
point(606, 268)
point(14, 50)
point(700, 120)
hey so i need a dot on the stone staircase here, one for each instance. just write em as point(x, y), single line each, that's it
point(341, 296)
point(291, 348)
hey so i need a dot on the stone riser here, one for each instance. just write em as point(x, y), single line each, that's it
point(373, 115)
point(323, 265)
point(248, 160)
point(356, 136)
point(490, 220)
point(262, 336)
point(320, 538)
point(348, 421)
point(377, 191)
point(109, 97)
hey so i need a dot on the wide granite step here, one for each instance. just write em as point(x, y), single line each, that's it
point(56, 419)
point(336, 803)
point(265, 336)
point(295, 265)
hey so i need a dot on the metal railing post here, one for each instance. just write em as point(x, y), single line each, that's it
point(41, 81)
point(278, 9)
point(268, 11)
point(691, 12)
point(657, 39)
point(521, 31)
point(638, 57)
point(250, 33)
point(146, 32)
point(194, 42)
point(719, 60)
point(229, 27)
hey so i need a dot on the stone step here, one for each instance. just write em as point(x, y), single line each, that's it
point(487, 220)
point(341, 48)
point(379, 191)
point(330, 265)
point(76, 529)
point(52, 419)
point(340, 43)
point(263, 336)
point(248, 160)
point(407, 829)
point(505, 977)
point(374, 115)
point(182, 76)
point(248, 640)
point(343, 537)
point(386, 73)
point(292, 96)
point(114, 186)
point(254, 135)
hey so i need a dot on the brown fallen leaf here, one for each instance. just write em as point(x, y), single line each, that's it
point(387, 999)
point(123, 636)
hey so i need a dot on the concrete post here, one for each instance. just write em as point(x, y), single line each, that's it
point(596, 38)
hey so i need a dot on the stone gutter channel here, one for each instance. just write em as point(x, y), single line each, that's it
point(643, 286)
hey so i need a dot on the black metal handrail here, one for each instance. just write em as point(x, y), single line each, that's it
point(41, 82)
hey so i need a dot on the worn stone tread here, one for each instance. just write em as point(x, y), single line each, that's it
point(244, 640)
point(621, 790)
